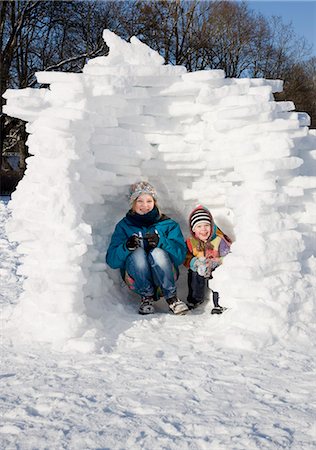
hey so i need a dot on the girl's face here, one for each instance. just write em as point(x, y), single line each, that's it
point(143, 204)
point(202, 231)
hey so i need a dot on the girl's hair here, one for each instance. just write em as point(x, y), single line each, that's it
point(155, 204)
point(141, 187)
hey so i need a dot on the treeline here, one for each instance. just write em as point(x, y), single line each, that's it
point(38, 35)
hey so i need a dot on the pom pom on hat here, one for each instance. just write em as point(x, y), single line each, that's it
point(139, 188)
point(200, 215)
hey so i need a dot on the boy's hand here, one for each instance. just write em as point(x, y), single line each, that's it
point(203, 266)
point(133, 242)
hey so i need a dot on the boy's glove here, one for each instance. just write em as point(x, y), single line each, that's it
point(203, 266)
point(133, 242)
point(152, 239)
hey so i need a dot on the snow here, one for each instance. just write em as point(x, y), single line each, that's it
point(162, 382)
point(80, 369)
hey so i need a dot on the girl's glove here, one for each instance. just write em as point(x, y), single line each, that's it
point(133, 242)
point(152, 239)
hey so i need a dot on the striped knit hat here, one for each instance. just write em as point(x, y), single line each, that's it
point(200, 215)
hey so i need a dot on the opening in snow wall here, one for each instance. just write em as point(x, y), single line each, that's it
point(199, 138)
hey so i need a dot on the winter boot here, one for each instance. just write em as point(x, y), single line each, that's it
point(194, 303)
point(218, 309)
point(146, 306)
point(177, 306)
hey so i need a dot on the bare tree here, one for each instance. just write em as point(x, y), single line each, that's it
point(40, 35)
point(44, 35)
point(166, 26)
point(277, 48)
point(300, 87)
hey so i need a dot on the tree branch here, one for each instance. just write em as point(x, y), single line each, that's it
point(70, 60)
point(20, 22)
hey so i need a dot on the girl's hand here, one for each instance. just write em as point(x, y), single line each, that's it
point(152, 239)
point(133, 242)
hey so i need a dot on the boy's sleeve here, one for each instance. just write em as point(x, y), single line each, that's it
point(189, 254)
point(226, 242)
point(224, 247)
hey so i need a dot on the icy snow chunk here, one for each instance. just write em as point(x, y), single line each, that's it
point(22, 113)
point(66, 113)
point(284, 106)
point(141, 119)
point(134, 53)
point(303, 182)
point(275, 85)
point(204, 75)
point(240, 100)
point(132, 92)
point(112, 158)
point(30, 93)
point(293, 191)
point(103, 102)
point(26, 107)
point(182, 88)
point(103, 90)
point(304, 119)
point(276, 125)
point(263, 92)
point(169, 156)
point(178, 147)
point(59, 77)
point(153, 81)
point(116, 137)
point(160, 138)
point(55, 123)
point(187, 109)
point(248, 111)
point(126, 71)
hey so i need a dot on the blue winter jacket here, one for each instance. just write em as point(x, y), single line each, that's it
point(170, 239)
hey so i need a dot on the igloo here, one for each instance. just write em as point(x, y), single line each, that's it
point(199, 138)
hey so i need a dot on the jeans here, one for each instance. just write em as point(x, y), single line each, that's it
point(147, 271)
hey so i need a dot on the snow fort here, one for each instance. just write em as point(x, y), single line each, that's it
point(199, 138)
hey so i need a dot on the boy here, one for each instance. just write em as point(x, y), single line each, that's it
point(206, 249)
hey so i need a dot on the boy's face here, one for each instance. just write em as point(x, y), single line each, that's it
point(202, 231)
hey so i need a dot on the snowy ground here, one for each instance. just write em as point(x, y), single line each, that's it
point(166, 383)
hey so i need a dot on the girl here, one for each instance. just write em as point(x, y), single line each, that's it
point(206, 249)
point(148, 247)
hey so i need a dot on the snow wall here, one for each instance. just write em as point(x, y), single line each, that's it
point(199, 138)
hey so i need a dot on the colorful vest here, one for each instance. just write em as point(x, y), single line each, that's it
point(217, 246)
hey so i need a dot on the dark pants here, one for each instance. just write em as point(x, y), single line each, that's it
point(197, 287)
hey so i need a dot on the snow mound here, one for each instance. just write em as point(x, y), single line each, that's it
point(199, 138)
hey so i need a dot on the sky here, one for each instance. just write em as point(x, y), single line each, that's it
point(302, 14)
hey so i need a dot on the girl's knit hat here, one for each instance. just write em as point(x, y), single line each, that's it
point(199, 215)
point(139, 188)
